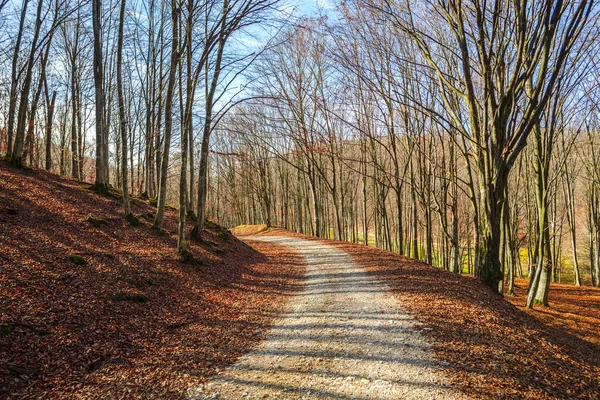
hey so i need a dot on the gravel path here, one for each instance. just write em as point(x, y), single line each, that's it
point(346, 337)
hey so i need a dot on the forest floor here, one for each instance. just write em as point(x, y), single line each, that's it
point(490, 347)
point(573, 309)
point(96, 308)
point(91, 307)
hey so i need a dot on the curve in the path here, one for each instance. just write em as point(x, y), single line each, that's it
point(346, 337)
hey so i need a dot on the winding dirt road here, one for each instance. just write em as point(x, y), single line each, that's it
point(346, 337)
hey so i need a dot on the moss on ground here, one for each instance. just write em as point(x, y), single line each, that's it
point(77, 259)
point(97, 222)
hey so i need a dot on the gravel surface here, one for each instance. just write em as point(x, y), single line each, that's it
point(346, 337)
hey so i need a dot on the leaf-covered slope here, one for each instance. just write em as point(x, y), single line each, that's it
point(98, 308)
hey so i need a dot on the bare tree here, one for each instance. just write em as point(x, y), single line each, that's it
point(14, 81)
point(123, 117)
point(499, 48)
point(175, 56)
point(101, 179)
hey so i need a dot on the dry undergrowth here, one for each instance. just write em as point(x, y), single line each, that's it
point(247, 230)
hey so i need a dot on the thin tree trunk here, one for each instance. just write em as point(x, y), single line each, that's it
point(101, 180)
point(204, 155)
point(49, 123)
point(14, 83)
point(162, 188)
point(122, 115)
point(17, 152)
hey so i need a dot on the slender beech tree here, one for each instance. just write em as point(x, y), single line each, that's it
point(168, 107)
point(13, 93)
point(123, 116)
point(101, 179)
point(16, 157)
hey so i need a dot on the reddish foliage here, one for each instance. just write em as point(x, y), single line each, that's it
point(69, 330)
point(492, 348)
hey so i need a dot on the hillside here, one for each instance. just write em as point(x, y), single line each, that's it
point(96, 308)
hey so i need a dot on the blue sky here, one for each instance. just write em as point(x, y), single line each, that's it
point(308, 7)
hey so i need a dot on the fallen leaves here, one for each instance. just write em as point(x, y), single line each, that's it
point(133, 321)
point(493, 349)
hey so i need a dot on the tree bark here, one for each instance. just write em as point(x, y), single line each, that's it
point(122, 114)
point(164, 166)
point(101, 180)
point(16, 158)
point(49, 122)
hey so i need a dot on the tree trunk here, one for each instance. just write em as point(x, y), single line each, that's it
point(164, 166)
point(204, 154)
point(17, 153)
point(74, 139)
point(49, 123)
point(101, 180)
point(489, 268)
point(122, 116)
point(14, 83)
